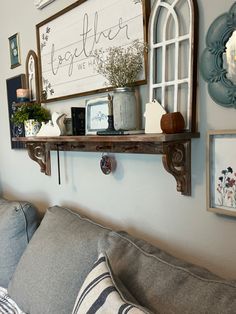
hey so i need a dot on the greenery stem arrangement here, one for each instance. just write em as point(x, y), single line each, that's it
point(31, 115)
point(121, 65)
point(30, 111)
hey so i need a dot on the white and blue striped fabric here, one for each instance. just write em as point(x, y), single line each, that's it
point(7, 305)
point(99, 294)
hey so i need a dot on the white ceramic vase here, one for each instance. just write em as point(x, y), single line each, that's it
point(31, 127)
point(124, 108)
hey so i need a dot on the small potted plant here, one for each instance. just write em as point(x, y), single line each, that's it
point(121, 67)
point(31, 115)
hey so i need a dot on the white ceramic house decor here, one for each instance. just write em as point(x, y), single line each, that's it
point(153, 114)
point(172, 62)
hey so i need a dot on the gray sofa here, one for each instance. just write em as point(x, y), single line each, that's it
point(50, 271)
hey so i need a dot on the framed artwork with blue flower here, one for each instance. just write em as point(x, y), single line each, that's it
point(221, 172)
point(96, 110)
point(14, 47)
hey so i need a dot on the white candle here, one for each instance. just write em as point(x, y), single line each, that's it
point(110, 105)
point(22, 93)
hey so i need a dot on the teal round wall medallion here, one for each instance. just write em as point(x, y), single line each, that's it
point(218, 60)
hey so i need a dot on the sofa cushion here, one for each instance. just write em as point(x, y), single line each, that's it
point(55, 263)
point(162, 283)
point(99, 293)
point(18, 221)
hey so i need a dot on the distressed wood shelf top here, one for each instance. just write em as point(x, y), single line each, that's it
point(160, 137)
point(174, 148)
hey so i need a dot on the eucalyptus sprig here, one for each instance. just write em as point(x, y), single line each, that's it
point(121, 65)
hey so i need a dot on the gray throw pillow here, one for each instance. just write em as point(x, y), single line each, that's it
point(18, 221)
point(55, 263)
point(164, 284)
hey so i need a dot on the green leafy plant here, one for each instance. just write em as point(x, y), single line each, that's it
point(121, 66)
point(31, 111)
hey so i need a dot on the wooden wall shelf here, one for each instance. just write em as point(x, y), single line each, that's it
point(174, 148)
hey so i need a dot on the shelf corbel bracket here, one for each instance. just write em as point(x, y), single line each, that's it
point(40, 153)
point(177, 161)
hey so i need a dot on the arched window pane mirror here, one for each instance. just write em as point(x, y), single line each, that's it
point(32, 74)
point(172, 57)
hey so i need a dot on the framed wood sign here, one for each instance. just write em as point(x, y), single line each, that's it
point(66, 42)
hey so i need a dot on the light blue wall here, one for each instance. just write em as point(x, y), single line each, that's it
point(140, 196)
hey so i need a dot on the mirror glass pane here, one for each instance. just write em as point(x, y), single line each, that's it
point(229, 58)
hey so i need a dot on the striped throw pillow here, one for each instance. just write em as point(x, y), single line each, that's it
point(99, 293)
point(7, 305)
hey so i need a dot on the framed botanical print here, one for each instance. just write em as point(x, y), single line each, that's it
point(14, 47)
point(221, 172)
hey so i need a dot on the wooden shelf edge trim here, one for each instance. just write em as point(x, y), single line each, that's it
point(160, 137)
point(174, 148)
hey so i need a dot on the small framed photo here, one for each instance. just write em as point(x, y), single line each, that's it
point(40, 4)
point(14, 50)
point(96, 115)
point(221, 172)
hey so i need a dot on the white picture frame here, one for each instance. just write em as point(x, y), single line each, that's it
point(96, 113)
point(221, 172)
point(66, 42)
point(40, 4)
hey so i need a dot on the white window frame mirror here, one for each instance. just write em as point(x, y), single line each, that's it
point(172, 78)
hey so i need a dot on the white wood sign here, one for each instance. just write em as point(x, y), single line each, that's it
point(67, 40)
point(40, 4)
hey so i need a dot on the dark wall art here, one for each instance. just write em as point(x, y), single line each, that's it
point(13, 84)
